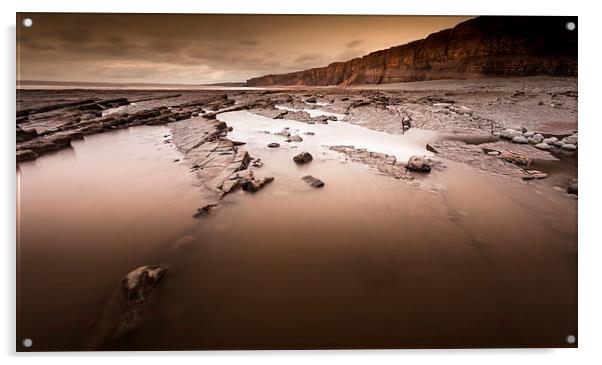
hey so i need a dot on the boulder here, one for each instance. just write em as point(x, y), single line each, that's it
point(303, 157)
point(528, 134)
point(418, 164)
point(221, 126)
point(510, 133)
point(538, 138)
point(543, 146)
point(569, 147)
point(572, 139)
point(550, 140)
point(520, 140)
point(313, 182)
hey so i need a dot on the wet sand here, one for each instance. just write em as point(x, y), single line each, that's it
point(460, 257)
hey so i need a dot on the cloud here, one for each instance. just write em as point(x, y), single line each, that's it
point(354, 43)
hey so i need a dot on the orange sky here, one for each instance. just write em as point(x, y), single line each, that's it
point(192, 49)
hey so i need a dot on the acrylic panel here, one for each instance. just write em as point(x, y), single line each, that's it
point(208, 182)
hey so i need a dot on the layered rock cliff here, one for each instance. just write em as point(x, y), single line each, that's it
point(487, 46)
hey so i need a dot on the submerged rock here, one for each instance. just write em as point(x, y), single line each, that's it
point(128, 306)
point(312, 181)
point(203, 210)
point(294, 138)
point(303, 157)
point(256, 185)
point(418, 164)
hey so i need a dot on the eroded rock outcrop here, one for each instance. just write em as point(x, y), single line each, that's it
point(480, 47)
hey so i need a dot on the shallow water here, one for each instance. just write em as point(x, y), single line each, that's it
point(251, 128)
point(456, 258)
point(312, 112)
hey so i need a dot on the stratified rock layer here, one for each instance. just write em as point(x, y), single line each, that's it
point(482, 47)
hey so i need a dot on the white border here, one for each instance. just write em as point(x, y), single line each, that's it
point(590, 120)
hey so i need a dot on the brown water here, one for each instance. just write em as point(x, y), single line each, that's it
point(453, 259)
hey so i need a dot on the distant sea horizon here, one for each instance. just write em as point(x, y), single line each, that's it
point(65, 85)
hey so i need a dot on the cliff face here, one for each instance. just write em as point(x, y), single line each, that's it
point(488, 46)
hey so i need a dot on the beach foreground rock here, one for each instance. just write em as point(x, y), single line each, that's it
point(128, 307)
point(303, 157)
point(313, 182)
point(418, 164)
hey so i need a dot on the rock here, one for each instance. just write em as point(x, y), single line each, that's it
point(128, 306)
point(238, 143)
point(256, 185)
point(572, 139)
point(294, 138)
point(538, 138)
point(534, 174)
point(310, 133)
point(543, 146)
point(273, 145)
point(431, 148)
point(516, 158)
point(332, 117)
point(26, 155)
point(257, 163)
point(510, 133)
point(303, 157)
point(528, 134)
point(520, 140)
point(418, 164)
point(572, 188)
point(283, 133)
point(311, 100)
point(221, 126)
point(25, 135)
point(568, 147)
point(204, 210)
point(313, 182)
point(550, 140)
point(406, 123)
point(558, 143)
point(493, 153)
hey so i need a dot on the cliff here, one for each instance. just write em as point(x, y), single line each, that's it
point(487, 46)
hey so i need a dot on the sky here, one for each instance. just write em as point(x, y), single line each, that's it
point(197, 49)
